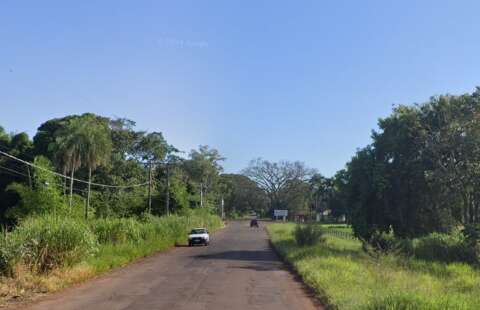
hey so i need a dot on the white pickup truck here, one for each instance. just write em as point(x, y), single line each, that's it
point(198, 236)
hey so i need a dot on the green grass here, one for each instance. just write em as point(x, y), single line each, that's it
point(341, 227)
point(144, 238)
point(344, 277)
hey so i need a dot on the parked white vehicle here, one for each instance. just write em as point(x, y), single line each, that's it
point(198, 236)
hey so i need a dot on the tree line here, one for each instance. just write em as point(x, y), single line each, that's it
point(421, 172)
point(102, 150)
point(107, 151)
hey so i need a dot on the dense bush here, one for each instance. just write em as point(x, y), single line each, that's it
point(309, 234)
point(471, 233)
point(44, 243)
point(445, 248)
point(381, 242)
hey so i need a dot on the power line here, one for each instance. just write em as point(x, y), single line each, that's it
point(70, 178)
point(14, 171)
point(6, 149)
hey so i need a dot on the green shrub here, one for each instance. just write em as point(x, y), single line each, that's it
point(48, 242)
point(472, 234)
point(382, 243)
point(440, 247)
point(307, 235)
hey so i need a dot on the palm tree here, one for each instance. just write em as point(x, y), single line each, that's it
point(97, 146)
point(83, 141)
point(68, 147)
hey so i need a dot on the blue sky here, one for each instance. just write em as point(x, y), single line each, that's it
point(282, 80)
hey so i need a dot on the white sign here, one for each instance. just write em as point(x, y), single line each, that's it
point(283, 213)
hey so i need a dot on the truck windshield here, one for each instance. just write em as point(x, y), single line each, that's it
point(198, 231)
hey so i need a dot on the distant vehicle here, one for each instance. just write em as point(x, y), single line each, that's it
point(198, 236)
point(254, 223)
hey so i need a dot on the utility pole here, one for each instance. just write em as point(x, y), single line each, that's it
point(201, 195)
point(167, 194)
point(88, 194)
point(150, 188)
point(223, 209)
point(29, 178)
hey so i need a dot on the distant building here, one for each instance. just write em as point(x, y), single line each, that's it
point(326, 216)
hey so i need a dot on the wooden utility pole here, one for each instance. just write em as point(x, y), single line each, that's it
point(150, 188)
point(223, 208)
point(71, 189)
point(167, 194)
point(88, 193)
point(29, 178)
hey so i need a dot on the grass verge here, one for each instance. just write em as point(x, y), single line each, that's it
point(344, 277)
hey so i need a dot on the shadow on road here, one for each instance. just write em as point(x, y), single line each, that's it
point(181, 245)
point(256, 255)
point(259, 267)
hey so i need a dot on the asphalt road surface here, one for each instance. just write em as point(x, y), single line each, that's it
point(238, 270)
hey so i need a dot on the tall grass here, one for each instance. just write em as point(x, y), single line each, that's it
point(45, 243)
point(344, 277)
point(117, 230)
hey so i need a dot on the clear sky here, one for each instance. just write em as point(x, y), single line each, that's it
point(294, 80)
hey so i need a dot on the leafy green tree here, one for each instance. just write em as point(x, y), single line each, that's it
point(45, 196)
point(285, 183)
point(204, 168)
point(421, 172)
point(69, 148)
point(243, 195)
point(11, 171)
point(97, 145)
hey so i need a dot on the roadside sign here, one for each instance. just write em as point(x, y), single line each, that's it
point(280, 213)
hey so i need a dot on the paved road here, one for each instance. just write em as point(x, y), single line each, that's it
point(237, 271)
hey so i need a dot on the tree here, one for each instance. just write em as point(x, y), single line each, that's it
point(43, 198)
point(421, 172)
point(279, 180)
point(96, 149)
point(321, 190)
point(204, 168)
point(11, 171)
point(242, 195)
point(68, 148)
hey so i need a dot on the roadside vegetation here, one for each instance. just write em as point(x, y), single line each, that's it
point(90, 193)
point(411, 199)
point(46, 253)
point(345, 276)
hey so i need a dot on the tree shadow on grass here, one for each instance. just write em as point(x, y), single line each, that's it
point(321, 250)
